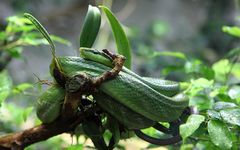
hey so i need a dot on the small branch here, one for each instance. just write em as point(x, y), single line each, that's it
point(118, 62)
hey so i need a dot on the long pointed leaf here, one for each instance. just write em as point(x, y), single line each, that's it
point(91, 27)
point(42, 30)
point(121, 40)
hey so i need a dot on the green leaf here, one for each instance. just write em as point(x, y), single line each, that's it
point(18, 24)
point(236, 70)
point(15, 52)
point(220, 134)
point(114, 128)
point(121, 40)
point(159, 29)
point(3, 35)
point(218, 90)
point(150, 131)
point(223, 105)
point(234, 92)
point(206, 145)
point(5, 85)
point(202, 82)
point(21, 87)
point(5, 82)
point(234, 31)
point(201, 101)
point(221, 69)
point(24, 86)
point(170, 54)
point(94, 132)
point(214, 114)
point(192, 124)
point(187, 147)
point(14, 113)
point(75, 147)
point(26, 112)
point(197, 67)
point(91, 27)
point(3, 96)
point(231, 116)
point(42, 30)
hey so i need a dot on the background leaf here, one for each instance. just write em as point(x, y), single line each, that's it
point(223, 105)
point(220, 134)
point(170, 54)
point(121, 40)
point(231, 116)
point(91, 27)
point(21, 88)
point(234, 31)
point(192, 124)
point(5, 86)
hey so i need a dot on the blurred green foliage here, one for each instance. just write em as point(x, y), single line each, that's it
point(16, 115)
point(214, 90)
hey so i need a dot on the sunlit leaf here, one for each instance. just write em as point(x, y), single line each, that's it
point(201, 101)
point(75, 147)
point(121, 40)
point(218, 90)
point(221, 69)
point(234, 31)
point(234, 92)
point(187, 147)
point(223, 105)
point(192, 66)
point(220, 134)
point(214, 114)
point(150, 131)
point(197, 67)
point(192, 124)
point(169, 54)
point(18, 24)
point(21, 87)
point(12, 112)
point(202, 82)
point(236, 70)
point(231, 116)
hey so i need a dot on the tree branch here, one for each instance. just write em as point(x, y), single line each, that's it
point(20, 140)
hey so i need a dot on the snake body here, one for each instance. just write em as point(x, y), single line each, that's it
point(129, 90)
